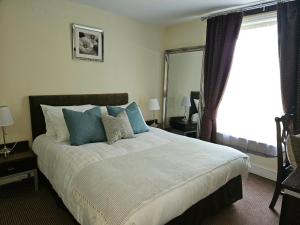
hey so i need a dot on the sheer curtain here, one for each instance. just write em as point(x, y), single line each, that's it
point(252, 98)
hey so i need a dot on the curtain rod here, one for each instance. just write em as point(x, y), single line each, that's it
point(241, 8)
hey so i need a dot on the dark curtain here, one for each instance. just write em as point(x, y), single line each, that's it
point(288, 15)
point(221, 36)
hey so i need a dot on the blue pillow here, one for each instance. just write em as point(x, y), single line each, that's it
point(134, 114)
point(84, 127)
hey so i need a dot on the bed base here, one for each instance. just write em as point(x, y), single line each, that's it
point(229, 193)
point(209, 206)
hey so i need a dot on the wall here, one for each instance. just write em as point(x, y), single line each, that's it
point(36, 56)
point(263, 166)
point(185, 34)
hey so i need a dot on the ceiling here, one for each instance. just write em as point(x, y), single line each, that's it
point(162, 12)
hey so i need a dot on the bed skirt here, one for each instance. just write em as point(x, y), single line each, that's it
point(209, 206)
point(229, 193)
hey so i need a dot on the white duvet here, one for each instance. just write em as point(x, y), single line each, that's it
point(148, 180)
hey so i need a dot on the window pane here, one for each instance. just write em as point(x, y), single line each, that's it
point(252, 98)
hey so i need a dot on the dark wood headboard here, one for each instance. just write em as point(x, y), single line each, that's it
point(37, 118)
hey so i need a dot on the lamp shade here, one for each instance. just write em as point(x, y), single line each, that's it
point(186, 102)
point(153, 104)
point(5, 117)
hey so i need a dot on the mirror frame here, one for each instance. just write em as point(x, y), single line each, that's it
point(166, 73)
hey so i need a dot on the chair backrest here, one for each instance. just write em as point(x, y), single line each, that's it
point(284, 127)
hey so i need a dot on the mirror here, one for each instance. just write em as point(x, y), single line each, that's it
point(182, 89)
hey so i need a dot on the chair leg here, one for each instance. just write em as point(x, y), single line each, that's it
point(275, 195)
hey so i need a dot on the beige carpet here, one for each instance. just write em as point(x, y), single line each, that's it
point(20, 205)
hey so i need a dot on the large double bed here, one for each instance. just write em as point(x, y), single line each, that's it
point(155, 178)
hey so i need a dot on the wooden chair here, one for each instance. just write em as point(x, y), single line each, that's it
point(284, 127)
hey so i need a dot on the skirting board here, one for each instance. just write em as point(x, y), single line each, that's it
point(263, 172)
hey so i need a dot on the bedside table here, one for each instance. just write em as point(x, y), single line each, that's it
point(20, 164)
point(149, 122)
point(186, 128)
point(290, 210)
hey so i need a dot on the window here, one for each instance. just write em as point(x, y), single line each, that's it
point(252, 98)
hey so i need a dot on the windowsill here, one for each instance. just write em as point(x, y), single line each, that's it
point(247, 146)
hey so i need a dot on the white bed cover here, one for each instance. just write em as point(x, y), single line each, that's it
point(66, 166)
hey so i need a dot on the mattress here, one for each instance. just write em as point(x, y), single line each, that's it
point(147, 180)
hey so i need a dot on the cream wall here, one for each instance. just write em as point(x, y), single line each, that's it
point(263, 166)
point(185, 34)
point(36, 56)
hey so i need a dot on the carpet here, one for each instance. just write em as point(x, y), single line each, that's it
point(20, 205)
point(253, 209)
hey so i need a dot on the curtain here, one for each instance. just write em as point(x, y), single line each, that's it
point(288, 16)
point(221, 36)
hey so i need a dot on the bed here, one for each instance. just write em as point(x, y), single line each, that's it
point(155, 178)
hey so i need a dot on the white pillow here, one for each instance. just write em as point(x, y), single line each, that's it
point(103, 109)
point(60, 127)
point(196, 101)
point(55, 121)
point(195, 118)
point(49, 128)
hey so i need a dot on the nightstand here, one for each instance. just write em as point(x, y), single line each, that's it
point(290, 210)
point(20, 164)
point(149, 122)
point(186, 128)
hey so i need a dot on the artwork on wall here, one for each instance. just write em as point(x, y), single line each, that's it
point(88, 43)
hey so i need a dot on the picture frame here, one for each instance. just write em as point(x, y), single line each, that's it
point(88, 43)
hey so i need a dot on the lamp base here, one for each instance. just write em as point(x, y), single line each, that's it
point(5, 151)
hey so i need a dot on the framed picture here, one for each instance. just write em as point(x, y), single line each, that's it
point(87, 43)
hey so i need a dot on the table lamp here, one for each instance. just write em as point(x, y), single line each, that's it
point(186, 102)
point(153, 106)
point(5, 121)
